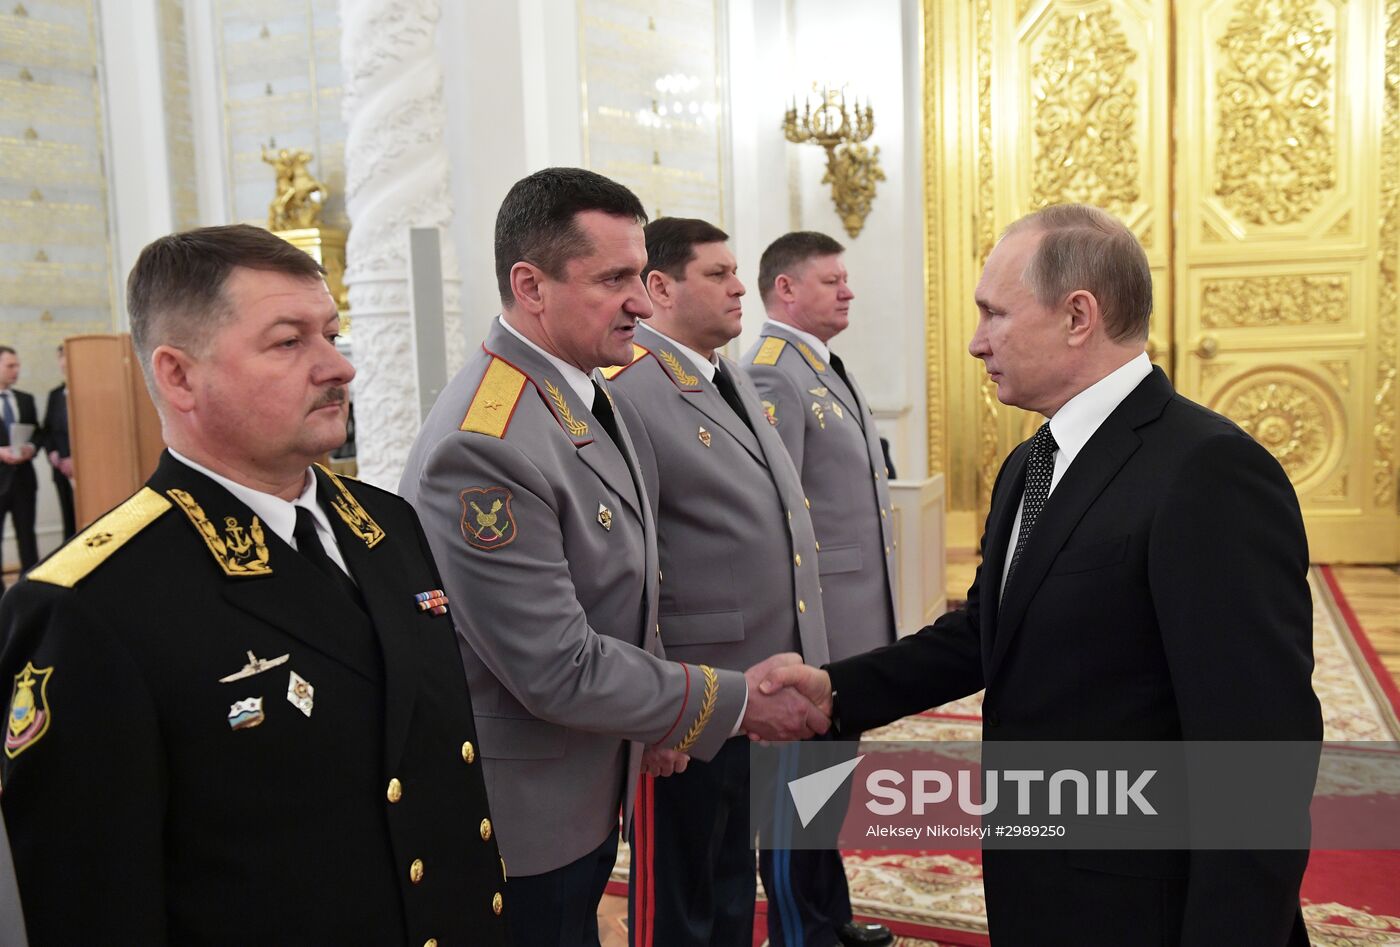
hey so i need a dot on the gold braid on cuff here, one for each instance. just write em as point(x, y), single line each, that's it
point(707, 709)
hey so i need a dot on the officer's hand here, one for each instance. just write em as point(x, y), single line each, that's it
point(812, 683)
point(659, 761)
point(780, 713)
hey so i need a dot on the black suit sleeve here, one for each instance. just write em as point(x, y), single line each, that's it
point(84, 803)
point(938, 663)
point(1228, 566)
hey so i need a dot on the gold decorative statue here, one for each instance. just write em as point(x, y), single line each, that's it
point(299, 198)
point(851, 168)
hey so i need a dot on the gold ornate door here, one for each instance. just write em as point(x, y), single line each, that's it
point(1254, 147)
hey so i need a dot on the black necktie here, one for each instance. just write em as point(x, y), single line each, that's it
point(729, 393)
point(840, 368)
point(1040, 468)
point(309, 545)
point(602, 410)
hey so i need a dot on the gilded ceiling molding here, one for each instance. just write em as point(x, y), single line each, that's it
point(1275, 159)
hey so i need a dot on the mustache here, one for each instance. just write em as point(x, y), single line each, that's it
point(336, 395)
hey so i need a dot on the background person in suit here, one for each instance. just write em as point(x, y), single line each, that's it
point(60, 452)
point(18, 485)
point(530, 491)
point(1143, 578)
point(245, 661)
point(739, 557)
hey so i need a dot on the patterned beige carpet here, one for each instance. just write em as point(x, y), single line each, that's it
point(936, 897)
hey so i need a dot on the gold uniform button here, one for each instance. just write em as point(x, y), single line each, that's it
point(497, 902)
point(430, 942)
point(808, 502)
point(818, 545)
point(485, 830)
point(468, 753)
point(503, 869)
point(415, 871)
point(887, 550)
point(801, 605)
point(395, 791)
point(797, 559)
point(882, 512)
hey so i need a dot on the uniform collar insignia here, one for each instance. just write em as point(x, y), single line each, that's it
point(351, 513)
point(240, 551)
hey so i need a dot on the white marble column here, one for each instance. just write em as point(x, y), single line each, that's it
point(396, 177)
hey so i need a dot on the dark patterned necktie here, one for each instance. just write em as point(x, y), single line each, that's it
point(1040, 468)
point(729, 393)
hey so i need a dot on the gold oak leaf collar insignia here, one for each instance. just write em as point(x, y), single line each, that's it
point(351, 513)
point(677, 369)
point(238, 552)
point(575, 427)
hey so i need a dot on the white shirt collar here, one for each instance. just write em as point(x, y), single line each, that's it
point(277, 514)
point(580, 382)
point(1082, 415)
point(817, 344)
point(706, 366)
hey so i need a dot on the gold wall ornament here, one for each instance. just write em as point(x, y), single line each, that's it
point(851, 168)
point(297, 196)
point(1084, 112)
point(1275, 300)
point(1276, 155)
point(1291, 416)
point(1385, 429)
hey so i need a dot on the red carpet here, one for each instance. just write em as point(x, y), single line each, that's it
point(1350, 898)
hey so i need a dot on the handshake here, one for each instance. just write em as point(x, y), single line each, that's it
point(787, 700)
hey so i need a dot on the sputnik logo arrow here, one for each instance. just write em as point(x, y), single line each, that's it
point(811, 792)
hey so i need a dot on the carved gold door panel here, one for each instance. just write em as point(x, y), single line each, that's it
point(1254, 148)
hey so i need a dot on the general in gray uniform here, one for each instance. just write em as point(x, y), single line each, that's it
point(533, 502)
point(828, 428)
point(739, 558)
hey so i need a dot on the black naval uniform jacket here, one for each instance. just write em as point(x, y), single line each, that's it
point(149, 800)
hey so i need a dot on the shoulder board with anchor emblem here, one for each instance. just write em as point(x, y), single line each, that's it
point(96, 544)
point(494, 403)
point(612, 371)
point(769, 351)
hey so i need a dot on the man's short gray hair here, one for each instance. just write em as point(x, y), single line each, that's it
point(1085, 248)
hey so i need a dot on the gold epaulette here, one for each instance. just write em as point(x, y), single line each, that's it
point(612, 371)
point(96, 544)
point(495, 399)
point(769, 351)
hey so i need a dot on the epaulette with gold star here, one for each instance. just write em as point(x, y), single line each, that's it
point(612, 371)
point(494, 403)
point(96, 544)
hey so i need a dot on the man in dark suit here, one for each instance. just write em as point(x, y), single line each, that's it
point(237, 712)
point(59, 449)
point(1143, 578)
point(18, 485)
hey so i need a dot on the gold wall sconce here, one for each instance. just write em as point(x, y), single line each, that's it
point(851, 168)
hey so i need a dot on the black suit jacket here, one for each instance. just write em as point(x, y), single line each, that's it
point(1163, 596)
point(56, 425)
point(141, 816)
point(20, 476)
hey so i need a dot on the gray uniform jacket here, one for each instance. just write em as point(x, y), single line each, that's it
point(547, 546)
point(738, 554)
point(828, 429)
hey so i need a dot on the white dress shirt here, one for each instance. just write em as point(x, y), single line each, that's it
point(1076, 422)
point(277, 514)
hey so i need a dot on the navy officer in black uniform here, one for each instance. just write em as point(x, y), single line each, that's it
point(237, 713)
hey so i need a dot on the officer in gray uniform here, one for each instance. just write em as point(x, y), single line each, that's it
point(826, 423)
point(828, 428)
point(739, 559)
point(534, 505)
